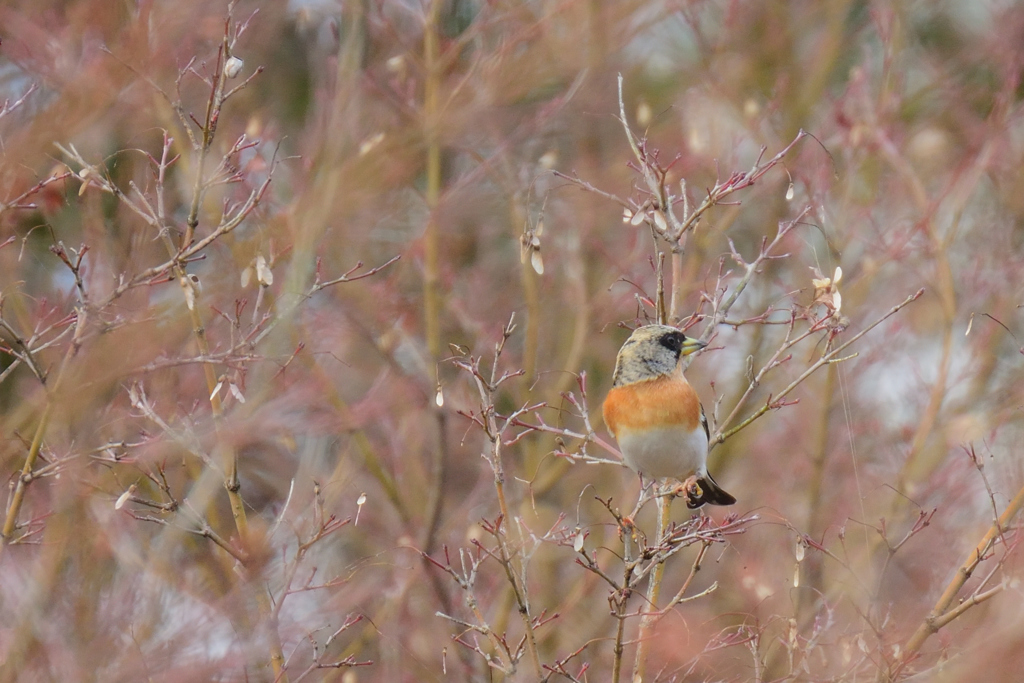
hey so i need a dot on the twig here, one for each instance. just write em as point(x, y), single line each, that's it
point(774, 401)
point(494, 427)
point(14, 508)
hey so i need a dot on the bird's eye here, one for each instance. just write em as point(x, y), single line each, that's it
point(673, 341)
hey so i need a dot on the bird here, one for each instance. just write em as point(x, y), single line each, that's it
point(656, 416)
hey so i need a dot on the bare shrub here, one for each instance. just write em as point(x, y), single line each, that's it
point(307, 311)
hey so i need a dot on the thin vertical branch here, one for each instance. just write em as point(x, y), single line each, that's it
point(676, 306)
point(619, 611)
point(653, 590)
point(431, 259)
point(208, 132)
point(431, 122)
point(660, 299)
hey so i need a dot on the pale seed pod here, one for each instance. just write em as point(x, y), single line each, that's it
point(233, 67)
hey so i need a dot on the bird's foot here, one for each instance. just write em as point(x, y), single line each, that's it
point(691, 489)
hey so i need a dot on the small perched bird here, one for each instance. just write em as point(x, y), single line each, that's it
point(655, 415)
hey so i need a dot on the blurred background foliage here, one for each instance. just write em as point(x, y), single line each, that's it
point(914, 181)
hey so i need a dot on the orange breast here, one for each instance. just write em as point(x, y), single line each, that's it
point(662, 402)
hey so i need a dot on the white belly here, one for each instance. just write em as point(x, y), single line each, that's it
point(665, 452)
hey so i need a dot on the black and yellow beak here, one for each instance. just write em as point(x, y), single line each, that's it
point(691, 345)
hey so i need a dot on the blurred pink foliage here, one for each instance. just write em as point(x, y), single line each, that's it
point(150, 342)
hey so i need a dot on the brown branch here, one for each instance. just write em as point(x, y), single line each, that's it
point(941, 615)
point(14, 508)
point(648, 621)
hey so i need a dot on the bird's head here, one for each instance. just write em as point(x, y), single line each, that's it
point(652, 351)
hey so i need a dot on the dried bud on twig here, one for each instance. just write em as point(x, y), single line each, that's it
point(530, 247)
point(123, 498)
point(233, 67)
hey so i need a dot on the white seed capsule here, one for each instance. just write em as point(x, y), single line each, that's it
point(233, 67)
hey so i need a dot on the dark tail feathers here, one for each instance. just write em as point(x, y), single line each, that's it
point(710, 492)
